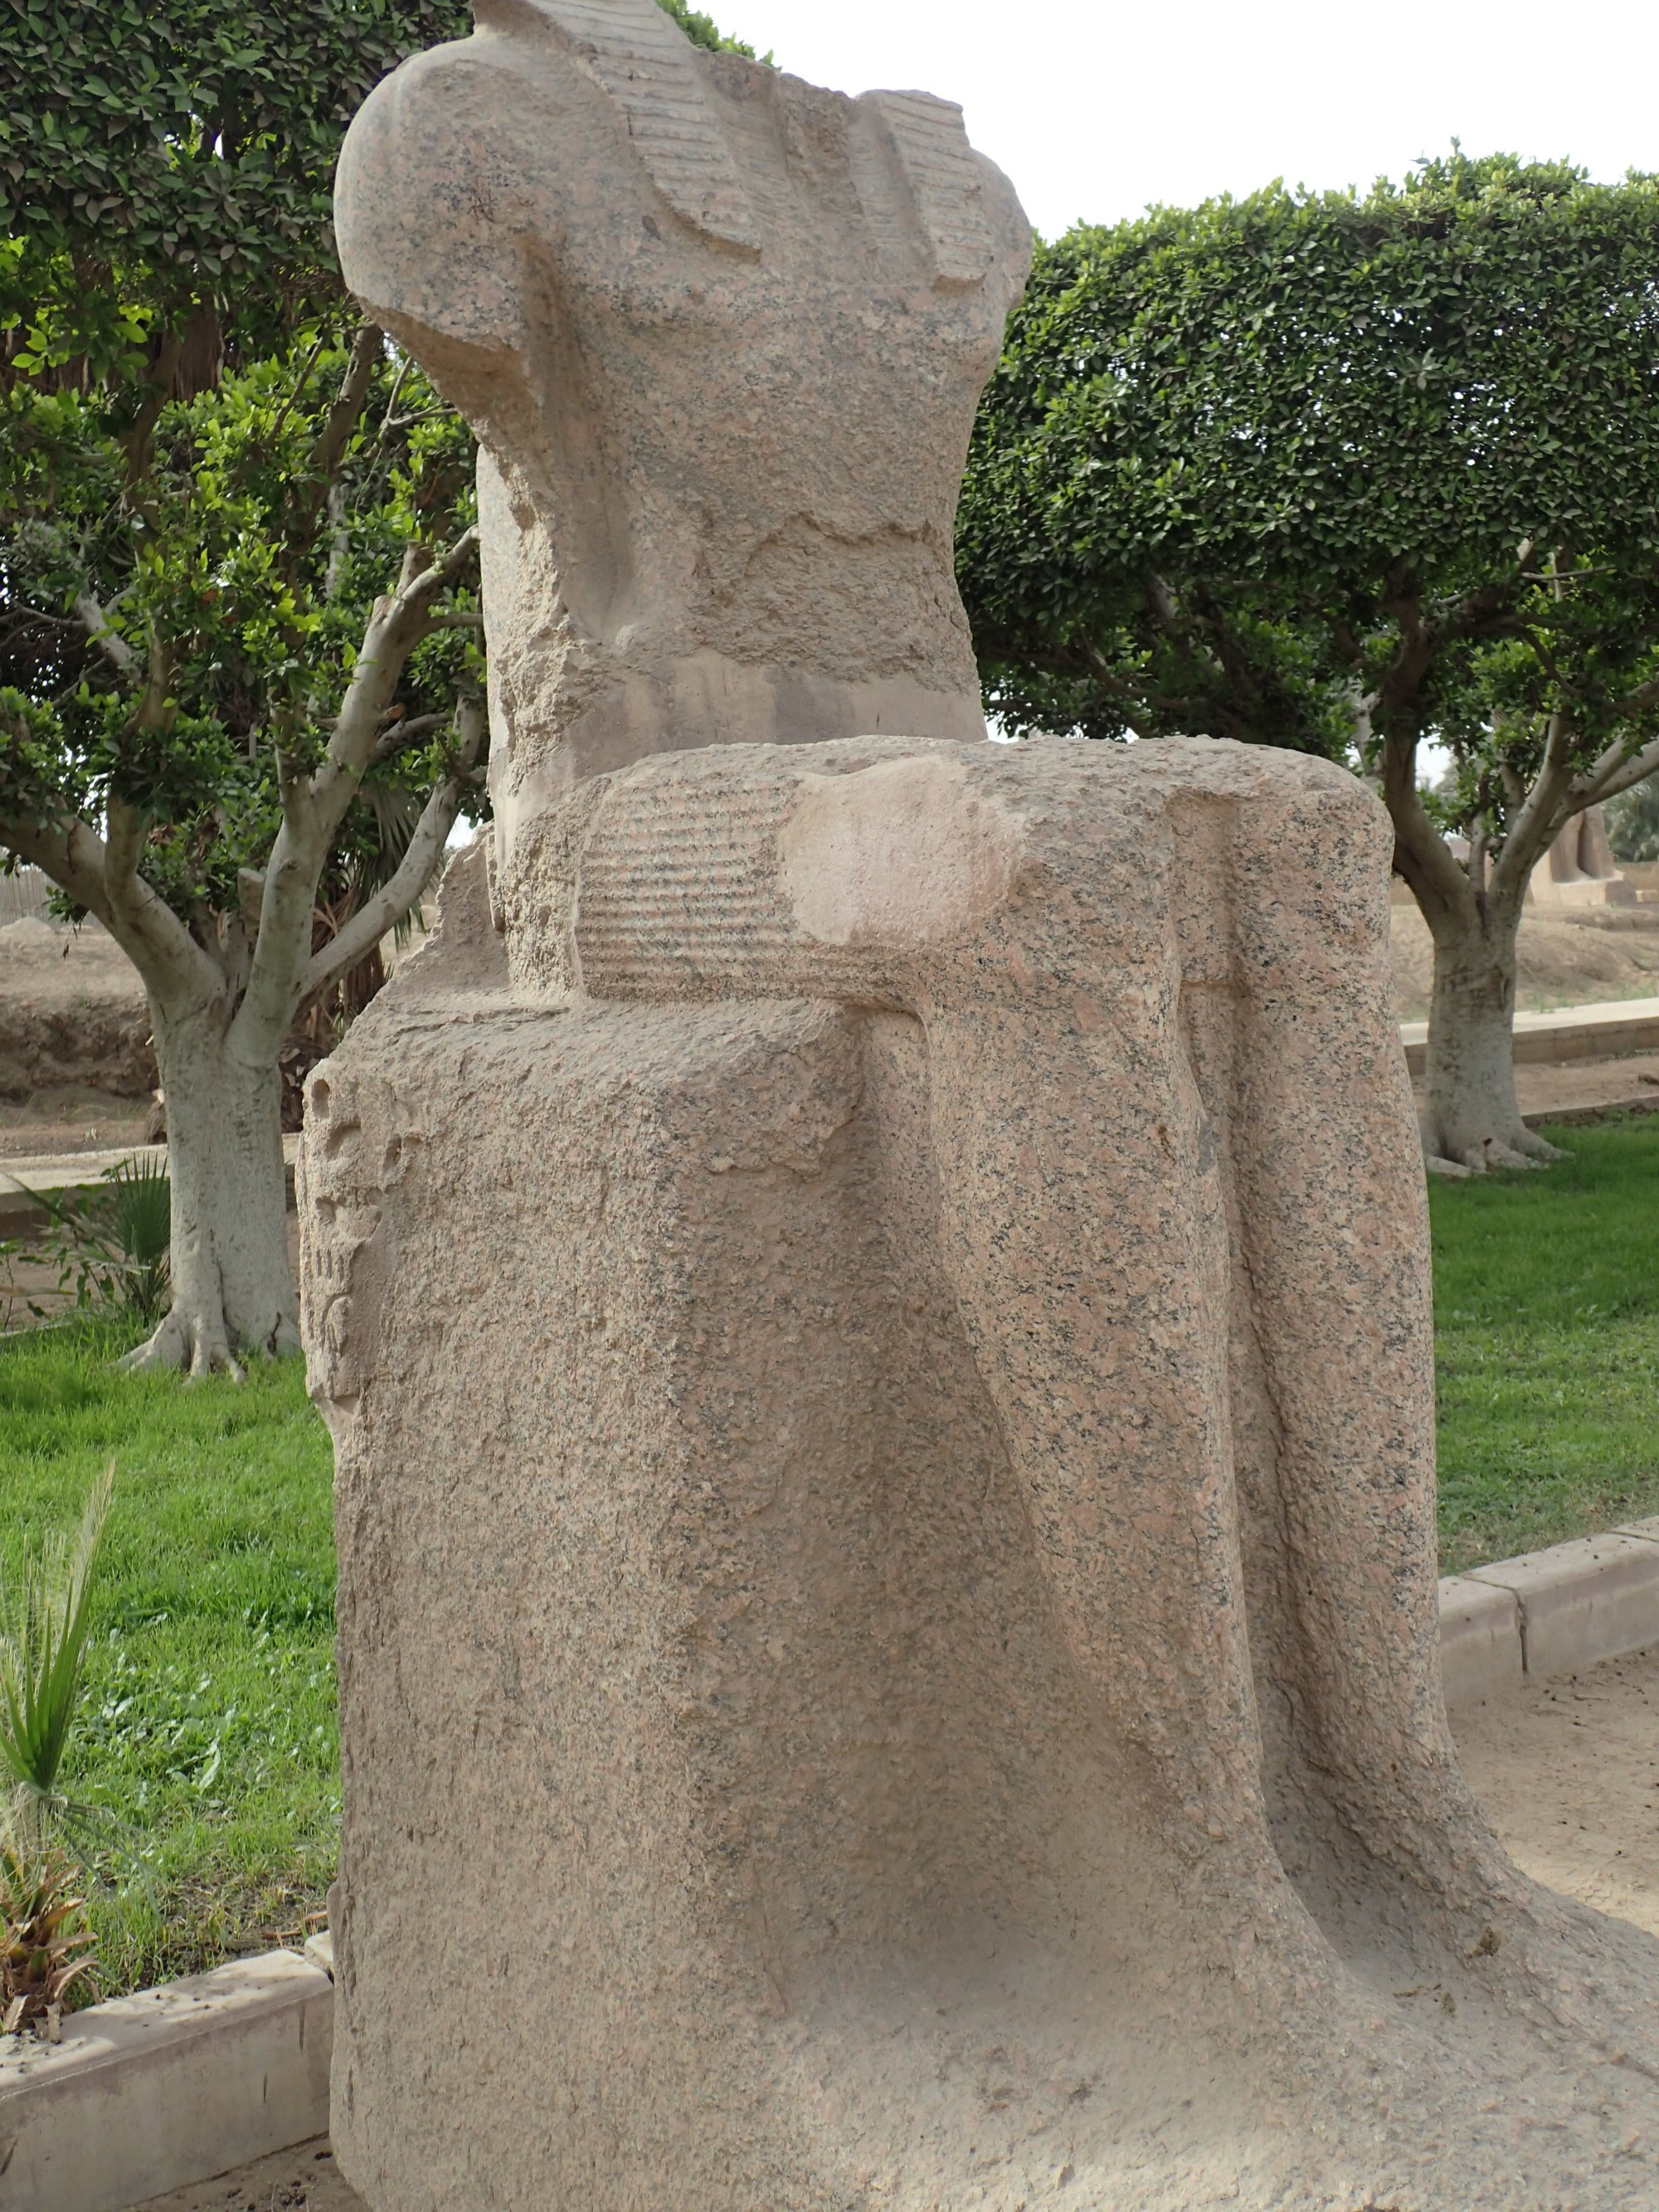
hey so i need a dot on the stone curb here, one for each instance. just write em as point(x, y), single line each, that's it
point(1549, 1612)
point(169, 2086)
point(1603, 1110)
point(1588, 1032)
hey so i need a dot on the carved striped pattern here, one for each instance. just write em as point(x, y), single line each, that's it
point(644, 62)
point(676, 892)
point(939, 163)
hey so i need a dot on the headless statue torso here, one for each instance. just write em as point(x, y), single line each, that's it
point(723, 353)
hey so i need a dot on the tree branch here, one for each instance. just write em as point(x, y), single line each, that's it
point(139, 435)
point(98, 627)
point(393, 739)
point(287, 900)
point(396, 627)
point(1614, 772)
point(415, 870)
point(171, 964)
point(342, 419)
point(314, 807)
point(1541, 816)
point(1421, 855)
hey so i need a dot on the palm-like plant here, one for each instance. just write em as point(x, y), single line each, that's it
point(40, 1956)
point(114, 1246)
point(45, 1613)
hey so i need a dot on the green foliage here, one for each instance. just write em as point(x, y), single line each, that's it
point(1546, 1327)
point(207, 1736)
point(112, 1247)
point(43, 1620)
point(188, 153)
point(1634, 824)
point(703, 31)
point(191, 146)
point(250, 569)
point(1308, 470)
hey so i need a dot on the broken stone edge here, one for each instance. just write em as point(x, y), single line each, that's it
point(1549, 1612)
point(169, 2086)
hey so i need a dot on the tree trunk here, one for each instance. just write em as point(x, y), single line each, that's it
point(1472, 1118)
point(232, 1286)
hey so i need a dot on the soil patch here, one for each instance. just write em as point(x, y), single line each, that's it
point(303, 2179)
point(1568, 1771)
point(72, 1013)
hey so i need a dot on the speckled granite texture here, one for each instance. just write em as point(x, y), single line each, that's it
point(885, 1504)
point(722, 335)
point(872, 1297)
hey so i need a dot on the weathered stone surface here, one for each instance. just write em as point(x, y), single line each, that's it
point(872, 1297)
point(722, 335)
point(1579, 869)
point(885, 1501)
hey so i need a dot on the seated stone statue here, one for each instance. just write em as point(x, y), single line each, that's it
point(722, 335)
point(871, 1292)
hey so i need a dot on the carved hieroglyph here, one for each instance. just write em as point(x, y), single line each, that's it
point(722, 335)
point(872, 1299)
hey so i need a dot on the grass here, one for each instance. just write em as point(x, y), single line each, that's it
point(1546, 1326)
point(208, 1729)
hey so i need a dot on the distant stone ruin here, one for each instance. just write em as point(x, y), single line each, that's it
point(1579, 869)
point(871, 1289)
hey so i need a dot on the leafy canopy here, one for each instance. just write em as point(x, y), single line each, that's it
point(175, 153)
point(1321, 469)
point(246, 571)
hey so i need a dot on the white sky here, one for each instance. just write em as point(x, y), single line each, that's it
point(1095, 110)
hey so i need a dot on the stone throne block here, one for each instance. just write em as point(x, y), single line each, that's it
point(872, 1293)
point(887, 1580)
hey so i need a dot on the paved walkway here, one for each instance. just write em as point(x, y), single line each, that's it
point(66, 1171)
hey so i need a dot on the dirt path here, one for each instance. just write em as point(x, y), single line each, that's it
point(1568, 1771)
point(299, 2180)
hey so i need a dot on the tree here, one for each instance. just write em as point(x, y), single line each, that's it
point(1341, 474)
point(208, 701)
point(214, 699)
point(206, 483)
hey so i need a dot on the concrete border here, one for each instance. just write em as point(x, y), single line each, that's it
point(169, 2086)
point(1549, 1612)
point(1603, 1110)
point(1601, 1031)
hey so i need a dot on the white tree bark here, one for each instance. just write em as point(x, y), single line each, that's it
point(224, 993)
point(232, 1287)
point(1472, 1118)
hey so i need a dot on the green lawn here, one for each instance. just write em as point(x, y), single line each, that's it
point(210, 1719)
point(1547, 1323)
point(210, 1716)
